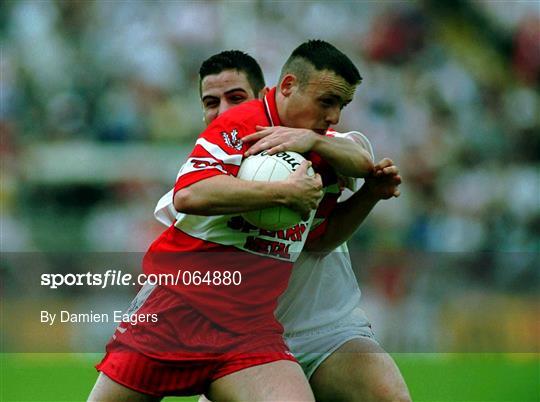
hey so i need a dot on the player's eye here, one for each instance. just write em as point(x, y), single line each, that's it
point(211, 104)
point(327, 102)
point(239, 98)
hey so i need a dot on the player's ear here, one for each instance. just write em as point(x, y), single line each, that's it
point(263, 92)
point(288, 84)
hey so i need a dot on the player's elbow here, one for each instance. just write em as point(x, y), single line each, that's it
point(359, 164)
point(182, 200)
point(186, 201)
point(363, 164)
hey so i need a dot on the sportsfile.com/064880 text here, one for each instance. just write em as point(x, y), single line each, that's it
point(114, 277)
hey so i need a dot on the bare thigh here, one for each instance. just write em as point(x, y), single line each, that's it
point(282, 380)
point(106, 390)
point(360, 370)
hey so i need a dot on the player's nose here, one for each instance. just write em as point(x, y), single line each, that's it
point(223, 107)
point(332, 117)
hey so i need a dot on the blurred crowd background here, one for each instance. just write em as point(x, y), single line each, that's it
point(99, 107)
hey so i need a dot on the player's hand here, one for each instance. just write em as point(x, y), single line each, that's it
point(305, 191)
point(278, 139)
point(384, 181)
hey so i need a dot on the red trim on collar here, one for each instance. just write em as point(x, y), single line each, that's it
point(271, 108)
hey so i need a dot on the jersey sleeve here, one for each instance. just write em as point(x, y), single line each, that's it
point(218, 150)
point(357, 137)
point(164, 211)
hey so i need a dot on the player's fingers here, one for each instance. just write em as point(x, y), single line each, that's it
point(314, 199)
point(318, 179)
point(259, 146)
point(276, 149)
point(391, 170)
point(395, 180)
point(385, 162)
point(266, 133)
point(252, 151)
point(315, 202)
point(255, 136)
point(304, 166)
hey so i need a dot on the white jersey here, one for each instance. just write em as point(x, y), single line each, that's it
point(321, 290)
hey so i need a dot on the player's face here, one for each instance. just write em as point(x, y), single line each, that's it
point(220, 92)
point(317, 104)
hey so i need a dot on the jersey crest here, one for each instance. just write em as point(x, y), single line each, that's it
point(231, 139)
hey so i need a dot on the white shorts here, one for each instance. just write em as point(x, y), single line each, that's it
point(312, 347)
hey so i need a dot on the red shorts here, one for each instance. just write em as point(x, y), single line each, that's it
point(182, 378)
point(183, 352)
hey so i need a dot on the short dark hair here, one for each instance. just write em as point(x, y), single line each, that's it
point(322, 56)
point(234, 60)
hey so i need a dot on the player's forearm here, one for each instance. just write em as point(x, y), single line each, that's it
point(344, 220)
point(220, 195)
point(347, 157)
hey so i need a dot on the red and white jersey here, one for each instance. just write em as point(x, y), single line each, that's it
point(165, 212)
point(219, 150)
point(264, 258)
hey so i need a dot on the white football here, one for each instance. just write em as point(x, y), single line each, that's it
point(264, 167)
